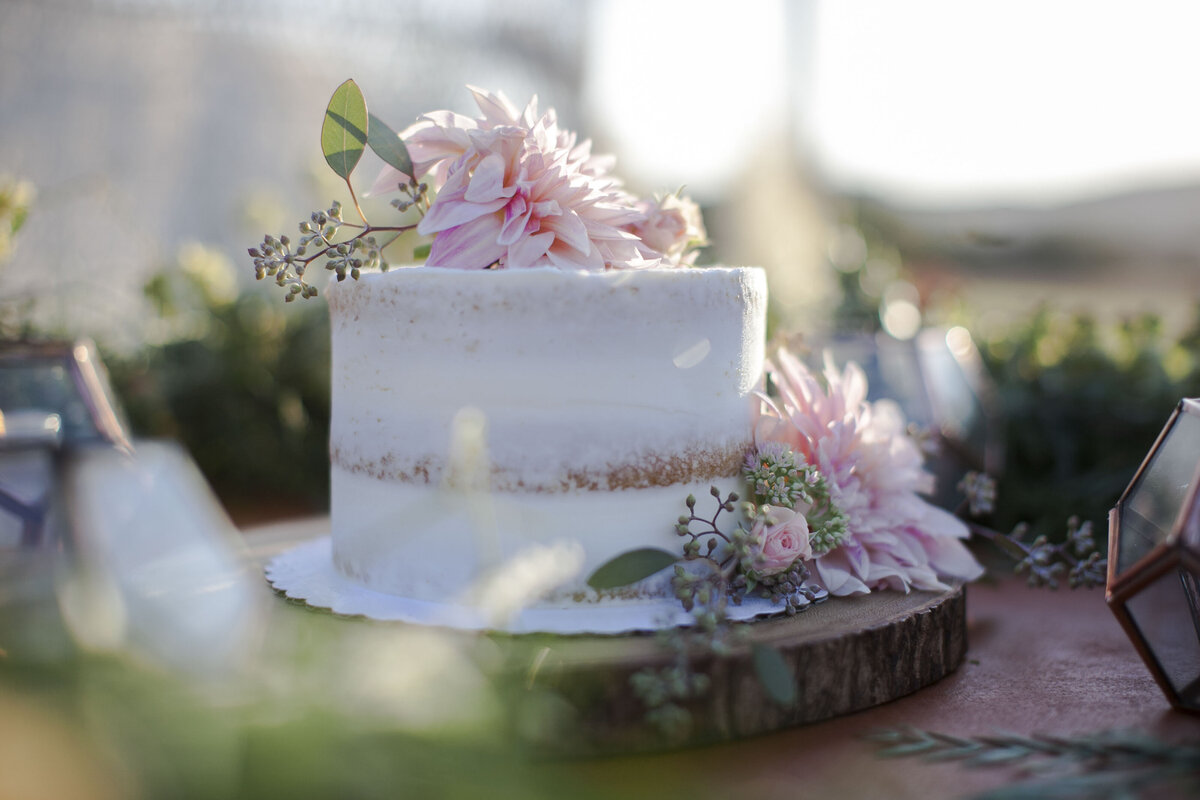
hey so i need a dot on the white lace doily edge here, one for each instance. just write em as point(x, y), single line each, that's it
point(306, 573)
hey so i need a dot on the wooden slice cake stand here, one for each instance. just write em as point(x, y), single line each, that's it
point(847, 654)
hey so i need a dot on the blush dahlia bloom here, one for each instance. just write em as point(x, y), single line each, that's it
point(874, 470)
point(514, 190)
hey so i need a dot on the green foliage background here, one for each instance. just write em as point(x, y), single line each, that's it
point(1081, 414)
point(243, 385)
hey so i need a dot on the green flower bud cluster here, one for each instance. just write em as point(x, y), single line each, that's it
point(775, 475)
point(827, 523)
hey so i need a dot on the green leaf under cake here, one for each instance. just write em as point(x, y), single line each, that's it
point(774, 674)
point(631, 567)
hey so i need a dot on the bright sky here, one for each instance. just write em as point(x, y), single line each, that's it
point(923, 100)
point(686, 85)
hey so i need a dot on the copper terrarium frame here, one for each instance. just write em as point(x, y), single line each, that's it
point(1178, 550)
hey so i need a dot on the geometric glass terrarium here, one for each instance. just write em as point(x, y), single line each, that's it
point(54, 396)
point(1154, 558)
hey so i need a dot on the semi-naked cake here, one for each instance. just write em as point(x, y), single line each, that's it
point(486, 421)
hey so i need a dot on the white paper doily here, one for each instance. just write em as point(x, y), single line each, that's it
point(306, 573)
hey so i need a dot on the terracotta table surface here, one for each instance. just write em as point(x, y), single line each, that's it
point(1039, 662)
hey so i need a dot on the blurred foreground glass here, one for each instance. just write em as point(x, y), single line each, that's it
point(157, 566)
point(1154, 558)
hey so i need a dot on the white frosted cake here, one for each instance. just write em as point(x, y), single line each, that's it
point(516, 426)
point(484, 422)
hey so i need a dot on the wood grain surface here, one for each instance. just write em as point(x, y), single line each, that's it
point(847, 654)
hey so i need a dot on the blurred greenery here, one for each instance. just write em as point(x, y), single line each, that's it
point(316, 706)
point(16, 199)
point(241, 381)
point(1081, 401)
point(1083, 404)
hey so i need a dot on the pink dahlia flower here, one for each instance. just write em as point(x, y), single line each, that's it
point(874, 470)
point(514, 190)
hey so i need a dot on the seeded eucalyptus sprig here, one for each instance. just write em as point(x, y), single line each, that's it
point(709, 527)
point(1045, 562)
point(665, 691)
point(347, 131)
point(1108, 765)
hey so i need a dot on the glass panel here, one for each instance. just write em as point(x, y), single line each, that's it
point(46, 385)
point(26, 484)
point(1153, 504)
point(12, 527)
point(1167, 614)
point(890, 366)
point(959, 412)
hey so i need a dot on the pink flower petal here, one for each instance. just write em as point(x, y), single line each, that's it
point(471, 245)
point(835, 574)
point(450, 213)
point(529, 250)
point(569, 230)
point(495, 107)
point(573, 213)
point(951, 557)
point(487, 181)
point(566, 257)
point(516, 218)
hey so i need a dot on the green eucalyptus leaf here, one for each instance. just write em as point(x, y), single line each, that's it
point(344, 132)
point(631, 567)
point(774, 674)
point(388, 145)
point(422, 251)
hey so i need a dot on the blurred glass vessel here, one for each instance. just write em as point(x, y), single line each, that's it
point(1154, 558)
point(53, 396)
point(938, 379)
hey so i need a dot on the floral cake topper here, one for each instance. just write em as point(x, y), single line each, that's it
point(508, 189)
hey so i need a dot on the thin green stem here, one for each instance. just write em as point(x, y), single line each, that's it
point(354, 199)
